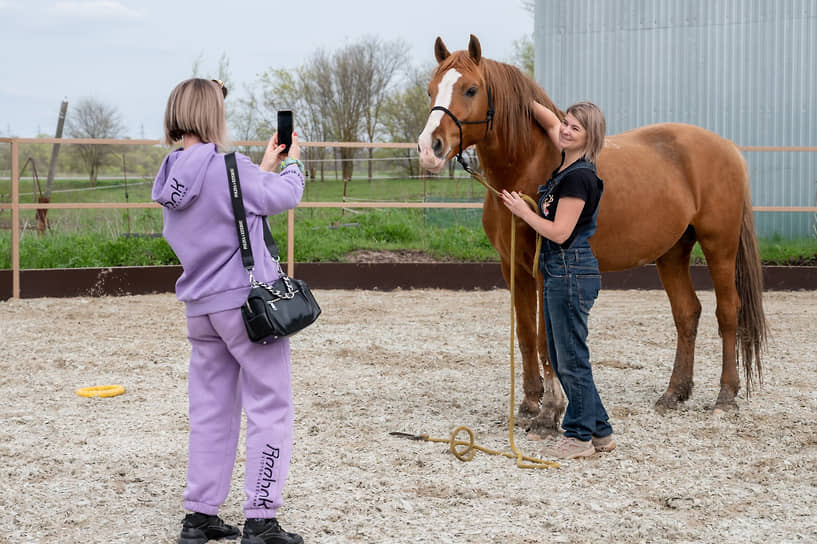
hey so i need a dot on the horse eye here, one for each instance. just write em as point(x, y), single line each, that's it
point(471, 91)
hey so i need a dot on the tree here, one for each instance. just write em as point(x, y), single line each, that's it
point(233, 109)
point(244, 120)
point(524, 48)
point(382, 60)
point(310, 115)
point(94, 119)
point(405, 111)
point(336, 96)
point(288, 89)
point(195, 69)
point(342, 90)
point(327, 94)
point(523, 54)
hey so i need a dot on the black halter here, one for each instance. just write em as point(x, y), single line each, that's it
point(489, 124)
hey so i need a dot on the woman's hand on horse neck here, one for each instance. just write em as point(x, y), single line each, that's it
point(548, 121)
point(558, 230)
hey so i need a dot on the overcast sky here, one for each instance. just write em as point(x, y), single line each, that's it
point(130, 53)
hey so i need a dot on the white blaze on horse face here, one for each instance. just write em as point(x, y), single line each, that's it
point(445, 90)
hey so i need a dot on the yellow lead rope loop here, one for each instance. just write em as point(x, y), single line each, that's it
point(522, 461)
point(468, 453)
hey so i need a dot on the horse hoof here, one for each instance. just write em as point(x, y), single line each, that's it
point(724, 407)
point(528, 409)
point(665, 403)
point(539, 429)
point(522, 419)
point(726, 401)
point(521, 422)
point(544, 424)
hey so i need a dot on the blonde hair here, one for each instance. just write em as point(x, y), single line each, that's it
point(196, 106)
point(592, 119)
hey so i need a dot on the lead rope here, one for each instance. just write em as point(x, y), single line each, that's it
point(531, 202)
point(468, 453)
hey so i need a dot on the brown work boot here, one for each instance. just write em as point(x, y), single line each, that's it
point(569, 448)
point(605, 443)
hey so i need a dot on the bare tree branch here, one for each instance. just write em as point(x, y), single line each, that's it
point(91, 118)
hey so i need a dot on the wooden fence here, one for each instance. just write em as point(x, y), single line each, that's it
point(16, 206)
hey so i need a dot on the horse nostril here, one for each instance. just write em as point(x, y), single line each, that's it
point(437, 147)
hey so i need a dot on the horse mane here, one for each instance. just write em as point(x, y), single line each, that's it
point(512, 92)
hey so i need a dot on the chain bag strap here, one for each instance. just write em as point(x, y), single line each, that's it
point(272, 310)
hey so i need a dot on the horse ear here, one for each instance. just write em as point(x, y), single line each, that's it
point(440, 50)
point(474, 49)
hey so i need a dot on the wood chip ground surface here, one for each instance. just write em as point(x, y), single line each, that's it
point(107, 470)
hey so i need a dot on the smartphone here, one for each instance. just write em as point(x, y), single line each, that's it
point(285, 129)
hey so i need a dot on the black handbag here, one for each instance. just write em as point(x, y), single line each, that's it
point(271, 311)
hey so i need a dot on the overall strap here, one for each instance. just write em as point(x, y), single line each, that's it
point(554, 181)
point(578, 165)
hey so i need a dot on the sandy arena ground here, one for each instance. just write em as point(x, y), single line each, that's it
point(425, 361)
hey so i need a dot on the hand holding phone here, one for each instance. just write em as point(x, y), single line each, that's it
point(285, 124)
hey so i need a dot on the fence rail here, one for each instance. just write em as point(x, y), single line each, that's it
point(16, 206)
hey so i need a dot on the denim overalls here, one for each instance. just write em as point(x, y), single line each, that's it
point(571, 284)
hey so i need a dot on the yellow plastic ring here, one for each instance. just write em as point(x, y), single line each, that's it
point(101, 391)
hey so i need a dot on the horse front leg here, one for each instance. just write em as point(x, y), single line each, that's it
point(524, 299)
point(553, 401)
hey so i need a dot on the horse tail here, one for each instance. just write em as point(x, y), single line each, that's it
point(752, 326)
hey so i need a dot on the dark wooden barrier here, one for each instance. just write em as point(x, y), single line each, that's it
point(117, 281)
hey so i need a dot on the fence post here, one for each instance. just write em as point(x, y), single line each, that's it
point(15, 219)
point(291, 243)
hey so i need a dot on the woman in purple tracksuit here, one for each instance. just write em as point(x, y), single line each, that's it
point(227, 371)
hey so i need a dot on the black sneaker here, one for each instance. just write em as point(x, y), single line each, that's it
point(267, 531)
point(198, 528)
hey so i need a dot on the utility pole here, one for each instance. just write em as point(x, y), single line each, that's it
point(55, 151)
point(42, 213)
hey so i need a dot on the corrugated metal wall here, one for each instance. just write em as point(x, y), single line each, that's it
point(745, 69)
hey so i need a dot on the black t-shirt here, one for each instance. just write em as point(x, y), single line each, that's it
point(581, 183)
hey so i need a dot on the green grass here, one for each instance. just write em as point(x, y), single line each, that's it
point(777, 251)
point(326, 235)
point(320, 235)
point(95, 238)
point(92, 250)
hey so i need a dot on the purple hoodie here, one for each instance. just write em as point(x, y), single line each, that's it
point(200, 227)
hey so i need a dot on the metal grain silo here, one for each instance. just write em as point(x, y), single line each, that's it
point(745, 69)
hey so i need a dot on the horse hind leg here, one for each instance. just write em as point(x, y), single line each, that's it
point(673, 269)
point(738, 281)
point(722, 271)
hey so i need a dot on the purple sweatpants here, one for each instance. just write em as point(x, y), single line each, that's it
point(228, 372)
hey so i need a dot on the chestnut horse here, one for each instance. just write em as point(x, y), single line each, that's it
point(667, 186)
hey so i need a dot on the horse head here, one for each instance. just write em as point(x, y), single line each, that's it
point(461, 104)
point(469, 95)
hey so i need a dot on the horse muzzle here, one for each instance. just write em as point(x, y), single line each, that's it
point(434, 157)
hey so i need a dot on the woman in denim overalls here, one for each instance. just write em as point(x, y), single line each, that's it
point(568, 207)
